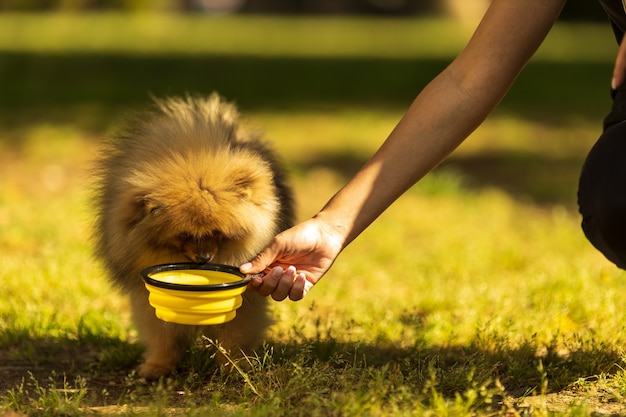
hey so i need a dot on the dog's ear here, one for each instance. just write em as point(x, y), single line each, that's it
point(135, 207)
point(243, 185)
point(254, 184)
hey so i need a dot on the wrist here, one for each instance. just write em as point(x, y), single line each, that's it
point(335, 227)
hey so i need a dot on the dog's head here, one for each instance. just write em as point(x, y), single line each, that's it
point(219, 207)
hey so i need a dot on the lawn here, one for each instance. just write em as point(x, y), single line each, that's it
point(475, 294)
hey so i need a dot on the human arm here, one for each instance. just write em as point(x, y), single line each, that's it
point(445, 112)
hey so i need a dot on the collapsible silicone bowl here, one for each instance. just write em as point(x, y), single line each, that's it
point(197, 294)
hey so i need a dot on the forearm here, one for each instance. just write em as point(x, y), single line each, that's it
point(417, 144)
point(440, 118)
point(444, 113)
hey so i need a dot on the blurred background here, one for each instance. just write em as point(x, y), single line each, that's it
point(578, 9)
point(84, 64)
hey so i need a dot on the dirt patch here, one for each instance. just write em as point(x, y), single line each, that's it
point(599, 403)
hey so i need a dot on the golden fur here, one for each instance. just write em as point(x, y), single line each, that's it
point(183, 183)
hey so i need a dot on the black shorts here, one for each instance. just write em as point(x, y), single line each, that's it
point(602, 186)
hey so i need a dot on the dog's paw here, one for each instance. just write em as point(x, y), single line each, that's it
point(151, 371)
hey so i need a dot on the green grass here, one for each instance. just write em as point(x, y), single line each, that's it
point(474, 294)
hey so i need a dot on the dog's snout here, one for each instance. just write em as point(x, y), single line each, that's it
point(203, 258)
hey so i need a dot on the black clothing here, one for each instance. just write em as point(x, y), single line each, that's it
point(602, 186)
point(615, 10)
point(602, 193)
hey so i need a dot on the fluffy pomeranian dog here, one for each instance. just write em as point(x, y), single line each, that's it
point(184, 183)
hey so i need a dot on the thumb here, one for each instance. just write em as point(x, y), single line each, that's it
point(260, 262)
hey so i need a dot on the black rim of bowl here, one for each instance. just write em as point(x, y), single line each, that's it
point(145, 274)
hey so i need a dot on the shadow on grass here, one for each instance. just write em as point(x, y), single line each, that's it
point(530, 177)
point(518, 369)
point(31, 367)
point(106, 367)
point(92, 89)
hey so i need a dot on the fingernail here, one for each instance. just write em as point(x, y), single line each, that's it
point(307, 285)
point(255, 283)
point(291, 270)
point(277, 272)
point(245, 267)
point(613, 84)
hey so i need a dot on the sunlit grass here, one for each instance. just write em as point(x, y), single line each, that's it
point(169, 33)
point(467, 296)
point(341, 37)
point(445, 269)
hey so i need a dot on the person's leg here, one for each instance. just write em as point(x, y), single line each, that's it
point(602, 193)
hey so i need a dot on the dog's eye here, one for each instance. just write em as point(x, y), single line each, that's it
point(185, 236)
point(150, 207)
point(154, 209)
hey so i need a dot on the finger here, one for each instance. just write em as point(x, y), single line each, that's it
point(270, 281)
point(255, 282)
point(260, 262)
point(249, 268)
point(297, 289)
point(307, 285)
point(284, 284)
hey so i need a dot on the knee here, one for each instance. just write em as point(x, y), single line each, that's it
point(602, 195)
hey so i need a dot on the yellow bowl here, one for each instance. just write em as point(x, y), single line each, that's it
point(196, 294)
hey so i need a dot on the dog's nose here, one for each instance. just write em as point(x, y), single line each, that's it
point(203, 258)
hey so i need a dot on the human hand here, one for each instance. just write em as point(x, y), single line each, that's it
point(619, 70)
point(294, 261)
